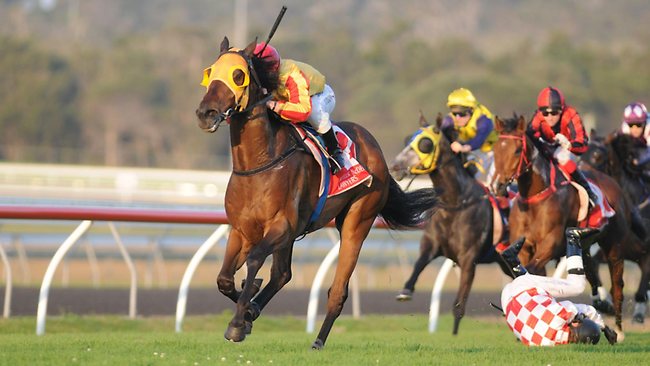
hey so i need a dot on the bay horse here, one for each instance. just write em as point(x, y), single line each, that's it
point(274, 189)
point(547, 205)
point(612, 155)
point(462, 227)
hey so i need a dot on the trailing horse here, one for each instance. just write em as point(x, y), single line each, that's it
point(463, 228)
point(612, 155)
point(547, 204)
point(273, 192)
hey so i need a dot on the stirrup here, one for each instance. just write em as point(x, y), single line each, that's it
point(337, 161)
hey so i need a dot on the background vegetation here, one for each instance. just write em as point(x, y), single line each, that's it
point(116, 82)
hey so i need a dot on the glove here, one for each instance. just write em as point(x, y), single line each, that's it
point(610, 334)
point(563, 141)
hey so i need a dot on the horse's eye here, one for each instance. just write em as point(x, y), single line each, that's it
point(518, 151)
point(425, 145)
point(238, 77)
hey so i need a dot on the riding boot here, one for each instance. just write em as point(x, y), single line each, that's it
point(511, 257)
point(337, 161)
point(575, 239)
point(579, 178)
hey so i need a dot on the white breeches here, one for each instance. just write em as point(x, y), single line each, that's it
point(322, 104)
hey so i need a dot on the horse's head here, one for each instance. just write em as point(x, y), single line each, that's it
point(420, 156)
point(228, 86)
point(512, 155)
point(596, 155)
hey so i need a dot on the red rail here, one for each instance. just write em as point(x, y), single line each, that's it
point(122, 214)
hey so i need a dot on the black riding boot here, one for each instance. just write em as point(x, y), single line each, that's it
point(579, 178)
point(576, 238)
point(337, 161)
point(511, 257)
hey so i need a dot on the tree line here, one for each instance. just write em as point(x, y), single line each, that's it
point(131, 102)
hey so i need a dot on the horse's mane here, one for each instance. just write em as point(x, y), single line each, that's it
point(268, 78)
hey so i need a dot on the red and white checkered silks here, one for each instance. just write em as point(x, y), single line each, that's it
point(537, 319)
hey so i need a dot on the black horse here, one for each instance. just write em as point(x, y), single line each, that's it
point(462, 228)
point(615, 156)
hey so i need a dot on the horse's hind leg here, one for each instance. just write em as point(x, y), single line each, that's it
point(426, 256)
point(280, 276)
point(353, 234)
point(615, 262)
point(233, 259)
point(641, 296)
point(600, 301)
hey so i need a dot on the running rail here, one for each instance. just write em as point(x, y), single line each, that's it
point(87, 215)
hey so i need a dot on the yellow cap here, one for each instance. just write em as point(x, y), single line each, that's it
point(461, 97)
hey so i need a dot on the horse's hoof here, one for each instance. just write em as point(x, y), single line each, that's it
point(404, 295)
point(638, 318)
point(235, 334)
point(604, 306)
point(318, 345)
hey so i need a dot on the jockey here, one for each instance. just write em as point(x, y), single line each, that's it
point(568, 135)
point(635, 117)
point(530, 306)
point(475, 127)
point(302, 95)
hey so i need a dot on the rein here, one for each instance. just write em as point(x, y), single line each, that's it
point(523, 159)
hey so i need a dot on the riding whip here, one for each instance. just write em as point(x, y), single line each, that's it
point(273, 29)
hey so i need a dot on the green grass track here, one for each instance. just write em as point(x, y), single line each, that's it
point(372, 340)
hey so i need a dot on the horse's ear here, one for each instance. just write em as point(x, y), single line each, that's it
point(593, 134)
point(521, 123)
point(439, 120)
point(498, 124)
point(423, 121)
point(248, 51)
point(225, 45)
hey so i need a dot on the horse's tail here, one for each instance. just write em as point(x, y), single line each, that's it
point(408, 209)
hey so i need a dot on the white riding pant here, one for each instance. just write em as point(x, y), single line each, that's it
point(322, 104)
point(486, 160)
point(572, 285)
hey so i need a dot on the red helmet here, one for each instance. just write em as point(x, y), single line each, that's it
point(268, 53)
point(635, 113)
point(551, 98)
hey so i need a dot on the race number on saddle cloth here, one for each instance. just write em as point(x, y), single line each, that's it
point(350, 175)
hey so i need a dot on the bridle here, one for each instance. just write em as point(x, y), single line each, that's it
point(524, 164)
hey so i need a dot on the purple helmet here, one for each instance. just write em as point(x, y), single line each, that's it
point(635, 113)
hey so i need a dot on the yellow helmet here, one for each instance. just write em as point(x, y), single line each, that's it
point(462, 97)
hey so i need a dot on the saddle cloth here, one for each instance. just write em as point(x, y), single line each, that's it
point(599, 214)
point(350, 175)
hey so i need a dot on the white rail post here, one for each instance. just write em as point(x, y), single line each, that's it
point(312, 307)
point(434, 309)
point(189, 272)
point(7, 305)
point(133, 293)
point(41, 312)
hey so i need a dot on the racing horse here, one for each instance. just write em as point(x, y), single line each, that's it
point(547, 204)
point(612, 155)
point(274, 190)
point(463, 226)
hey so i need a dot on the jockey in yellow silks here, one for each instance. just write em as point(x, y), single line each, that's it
point(475, 127)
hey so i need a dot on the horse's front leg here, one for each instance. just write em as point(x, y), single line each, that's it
point(427, 254)
point(239, 326)
point(280, 276)
point(468, 270)
point(233, 259)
